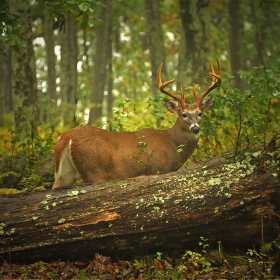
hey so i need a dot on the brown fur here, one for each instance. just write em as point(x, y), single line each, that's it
point(99, 155)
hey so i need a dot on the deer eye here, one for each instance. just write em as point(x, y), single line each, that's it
point(184, 115)
point(199, 114)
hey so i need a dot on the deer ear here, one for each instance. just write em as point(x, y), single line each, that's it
point(172, 106)
point(207, 104)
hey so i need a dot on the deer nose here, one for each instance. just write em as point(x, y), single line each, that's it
point(195, 129)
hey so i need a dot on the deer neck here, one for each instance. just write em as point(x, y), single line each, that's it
point(182, 135)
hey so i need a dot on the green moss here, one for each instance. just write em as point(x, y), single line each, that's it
point(214, 181)
point(73, 193)
point(2, 225)
point(61, 221)
point(4, 191)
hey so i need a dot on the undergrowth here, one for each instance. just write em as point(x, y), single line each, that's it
point(26, 161)
point(202, 264)
point(239, 121)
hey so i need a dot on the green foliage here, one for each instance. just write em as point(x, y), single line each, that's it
point(139, 264)
point(83, 11)
point(7, 174)
point(196, 262)
point(9, 28)
point(206, 263)
point(130, 116)
point(27, 157)
point(266, 3)
point(191, 265)
point(242, 119)
point(220, 252)
point(8, 191)
point(203, 244)
point(123, 115)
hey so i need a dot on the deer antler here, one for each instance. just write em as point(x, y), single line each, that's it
point(162, 86)
point(216, 80)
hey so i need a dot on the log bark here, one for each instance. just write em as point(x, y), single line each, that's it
point(235, 203)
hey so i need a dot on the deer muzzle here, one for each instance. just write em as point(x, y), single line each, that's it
point(195, 129)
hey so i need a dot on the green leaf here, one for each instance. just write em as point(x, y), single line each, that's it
point(84, 6)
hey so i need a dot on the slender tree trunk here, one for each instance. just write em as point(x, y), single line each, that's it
point(109, 57)
point(24, 84)
point(9, 96)
point(100, 61)
point(236, 204)
point(68, 73)
point(269, 26)
point(182, 63)
point(110, 89)
point(235, 28)
point(5, 83)
point(195, 19)
point(51, 62)
point(85, 49)
point(259, 34)
point(155, 38)
point(2, 92)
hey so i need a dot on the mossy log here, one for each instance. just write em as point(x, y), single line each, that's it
point(235, 203)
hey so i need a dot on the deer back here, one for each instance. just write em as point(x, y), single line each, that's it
point(101, 155)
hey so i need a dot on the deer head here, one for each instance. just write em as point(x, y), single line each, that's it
point(97, 155)
point(190, 114)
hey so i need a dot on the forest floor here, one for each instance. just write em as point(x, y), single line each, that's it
point(191, 265)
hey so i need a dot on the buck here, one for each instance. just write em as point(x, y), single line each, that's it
point(97, 155)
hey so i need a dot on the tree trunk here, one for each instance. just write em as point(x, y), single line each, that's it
point(257, 21)
point(155, 37)
point(195, 20)
point(182, 64)
point(24, 85)
point(110, 97)
point(100, 61)
point(235, 27)
point(51, 63)
point(68, 72)
point(232, 203)
point(109, 58)
point(5, 83)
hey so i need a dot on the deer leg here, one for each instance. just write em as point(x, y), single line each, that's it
point(67, 173)
point(60, 182)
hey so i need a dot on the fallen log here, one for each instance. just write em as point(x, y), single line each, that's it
point(235, 203)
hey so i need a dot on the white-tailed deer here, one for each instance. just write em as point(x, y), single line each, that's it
point(97, 155)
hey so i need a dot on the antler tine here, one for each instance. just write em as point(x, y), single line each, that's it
point(194, 92)
point(216, 80)
point(213, 72)
point(211, 66)
point(182, 94)
point(162, 86)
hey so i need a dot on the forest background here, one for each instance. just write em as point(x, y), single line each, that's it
point(70, 62)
